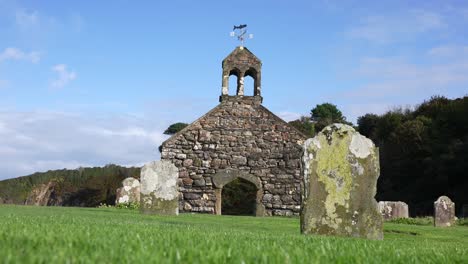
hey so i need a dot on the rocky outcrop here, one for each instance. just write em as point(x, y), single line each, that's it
point(341, 168)
point(42, 195)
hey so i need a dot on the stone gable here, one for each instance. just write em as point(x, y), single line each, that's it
point(239, 138)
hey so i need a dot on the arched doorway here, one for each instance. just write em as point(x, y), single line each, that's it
point(238, 198)
point(238, 181)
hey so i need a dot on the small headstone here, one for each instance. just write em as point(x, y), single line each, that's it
point(159, 193)
point(393, 210)
point(444, 212)
point(341, 168)
point(129, 192)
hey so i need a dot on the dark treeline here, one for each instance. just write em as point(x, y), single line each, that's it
point(423, 153)
point(81, 187)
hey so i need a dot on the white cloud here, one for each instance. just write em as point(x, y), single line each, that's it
point(355, 110)
point(400, 27)
point(395, 81)
point(289, 116)
point(40, 141)
point(26, 20)
point(17, 54)
point(398, 77)
point(64, 76)
point(449, 51)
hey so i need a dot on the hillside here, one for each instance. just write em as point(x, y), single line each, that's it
point(86, 187)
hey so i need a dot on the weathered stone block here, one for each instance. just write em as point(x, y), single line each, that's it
point(199, 182)
point(444, 212)
point(159, 194)
point(192, 196)
point(393, 210)
point(129, 192)
point(341, 168)
point(239, 160)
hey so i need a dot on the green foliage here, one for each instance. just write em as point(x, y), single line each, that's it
point(109, 235)
point(368, 124)
point(423, 153)
point(103, 205)
point(462, 222)
point(326, 114)
point(238, 198)
point(321, 116)
point(174, 128)
point(427, 221)
point(80, 187)
point(304, 125)
point(132, 206)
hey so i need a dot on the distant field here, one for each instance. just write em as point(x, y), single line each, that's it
point(108, 235)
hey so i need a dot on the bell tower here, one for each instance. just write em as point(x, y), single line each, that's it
point(241, 63)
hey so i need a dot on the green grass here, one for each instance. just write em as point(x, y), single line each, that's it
point(428, 220)
point(109, 235)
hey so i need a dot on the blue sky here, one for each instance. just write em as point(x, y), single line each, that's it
point(87, 83)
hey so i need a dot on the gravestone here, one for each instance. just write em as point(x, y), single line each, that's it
point(341, 168)
point(159, 193)
point(393, 210)
point(444, 212)
point(129, 192)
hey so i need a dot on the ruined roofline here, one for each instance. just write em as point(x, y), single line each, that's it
point(261, 107)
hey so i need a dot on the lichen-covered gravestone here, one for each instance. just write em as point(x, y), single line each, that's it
point(444, 212)
point(341, 168)
point(129, 192)
point(393, 210)
point(159, 193)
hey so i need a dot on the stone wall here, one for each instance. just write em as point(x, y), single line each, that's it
point(238, 137)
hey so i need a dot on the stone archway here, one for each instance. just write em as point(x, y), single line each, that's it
point(224, 177)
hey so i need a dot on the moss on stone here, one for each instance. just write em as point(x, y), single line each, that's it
point(152, 205)
point(339, 186)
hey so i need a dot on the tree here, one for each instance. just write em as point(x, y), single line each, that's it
point(174, 128)
point(326, 114)
point(367, 125)
point(304, 125)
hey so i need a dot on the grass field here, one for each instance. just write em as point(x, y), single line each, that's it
point(109, 235)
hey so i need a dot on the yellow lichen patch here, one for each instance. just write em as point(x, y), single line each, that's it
point(334, 172)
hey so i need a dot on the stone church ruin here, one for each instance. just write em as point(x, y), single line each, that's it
point(238, 141)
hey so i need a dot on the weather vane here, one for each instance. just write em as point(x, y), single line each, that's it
point(241, 33)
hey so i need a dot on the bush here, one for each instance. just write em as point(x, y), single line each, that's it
point(462, 222)
point(132, 206)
